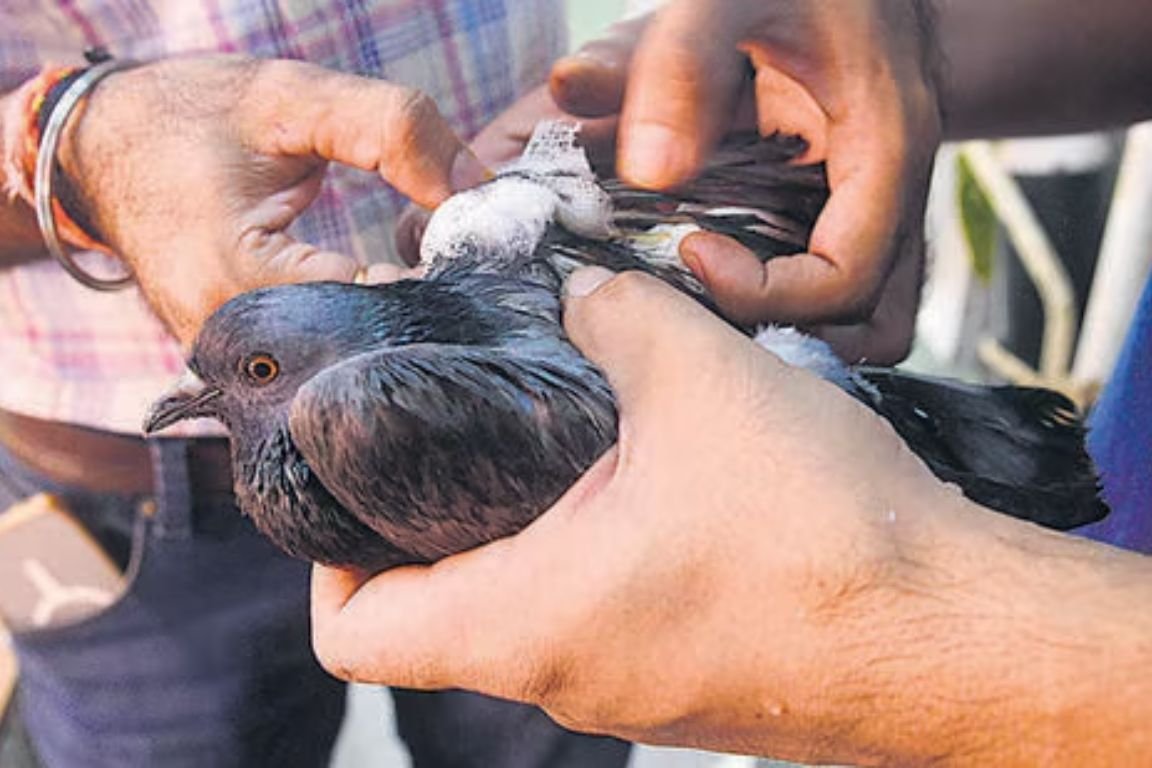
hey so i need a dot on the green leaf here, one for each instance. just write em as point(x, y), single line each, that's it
point(977, 218)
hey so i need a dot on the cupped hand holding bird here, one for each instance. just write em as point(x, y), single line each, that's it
point(855, 79)
point(193, 168)
point(710, 525)
point(763, 569)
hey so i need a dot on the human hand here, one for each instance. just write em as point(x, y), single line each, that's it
point(853, 78)
point(732, 575)
point(191, 170)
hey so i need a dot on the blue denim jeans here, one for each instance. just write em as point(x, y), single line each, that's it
point(206, 662)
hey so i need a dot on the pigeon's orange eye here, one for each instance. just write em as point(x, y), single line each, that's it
point(261, 368)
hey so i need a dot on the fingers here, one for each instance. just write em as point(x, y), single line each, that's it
point(269, 255)
point(656, 345)
point(334, 587)
point(433, 626)
point(398, 627)
point(735, 277)
point(886, 338)
point(503, 139)
point(828, 74)
point(851, 250)
point(783, 105)
point(299, 109)
point(799, 289)
point(591, 82)
point(409, 232)
point(687, 77)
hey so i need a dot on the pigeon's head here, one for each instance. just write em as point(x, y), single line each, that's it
point(256, 351)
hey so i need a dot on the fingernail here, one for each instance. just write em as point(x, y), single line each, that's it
point(586, 280)
point(590, 57)
point(690, 258)
point(570, 75)
point(654, 156)
point(572, 63)
point(468, 171)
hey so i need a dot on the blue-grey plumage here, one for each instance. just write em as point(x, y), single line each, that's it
point(378, 425)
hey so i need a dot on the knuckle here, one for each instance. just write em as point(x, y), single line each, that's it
point(862, 305)
point(331, 654)
point(413, 120)
point(853, 301)
point(545, 682)
point(414, 109)
point(569, 719)
point(856, 291)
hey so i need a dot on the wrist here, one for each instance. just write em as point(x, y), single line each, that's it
point(1016, 645)
point(85, 149)
point(36, 117)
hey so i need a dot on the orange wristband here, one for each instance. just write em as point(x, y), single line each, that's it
point(22, 149)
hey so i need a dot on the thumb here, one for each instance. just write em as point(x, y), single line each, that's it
point(432, 626)
point(591, 82)
point(656, 345)
point(686, 80)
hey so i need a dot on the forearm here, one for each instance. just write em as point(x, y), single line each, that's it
point(1026, 648)
point(1043, 66)
point(19, 236)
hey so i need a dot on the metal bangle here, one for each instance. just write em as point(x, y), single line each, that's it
point(44, 178)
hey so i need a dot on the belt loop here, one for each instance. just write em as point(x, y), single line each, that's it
point(172, 488)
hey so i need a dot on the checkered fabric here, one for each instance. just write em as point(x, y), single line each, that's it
point(77, 356)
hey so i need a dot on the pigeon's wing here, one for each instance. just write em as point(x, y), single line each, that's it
point(290, 506)
point(1015, 449)
point(750, 190)
point(440, 448)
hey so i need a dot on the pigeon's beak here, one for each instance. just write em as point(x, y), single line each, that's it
point(189, 398)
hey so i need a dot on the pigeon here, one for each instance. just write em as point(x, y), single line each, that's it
point(380, 425)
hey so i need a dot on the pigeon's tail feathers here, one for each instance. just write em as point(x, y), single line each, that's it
point(1018, 450)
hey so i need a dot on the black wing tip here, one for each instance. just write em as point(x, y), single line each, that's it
point(1018, 450)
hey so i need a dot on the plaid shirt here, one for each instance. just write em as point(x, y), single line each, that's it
point(78, 356)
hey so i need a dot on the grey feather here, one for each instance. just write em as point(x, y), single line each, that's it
point(476, 440)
